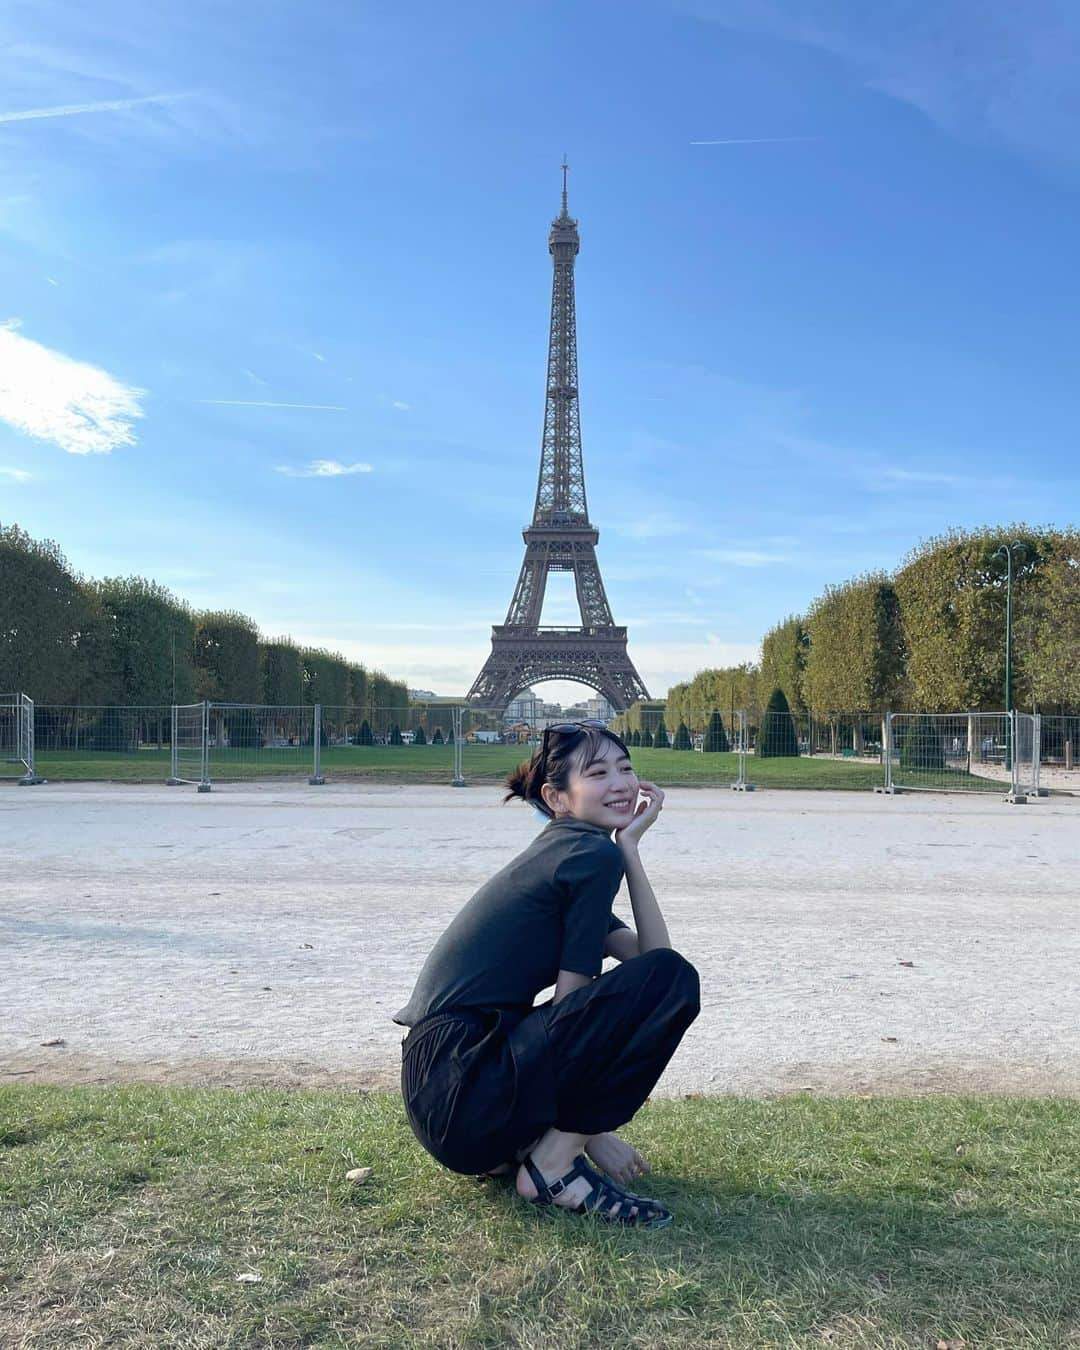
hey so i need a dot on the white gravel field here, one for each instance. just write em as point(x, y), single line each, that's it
point(265, 934)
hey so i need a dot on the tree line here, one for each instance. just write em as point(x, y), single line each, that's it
point(66, 639)
point(929, 637)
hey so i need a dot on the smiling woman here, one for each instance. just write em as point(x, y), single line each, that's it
point(491, 1081)
point(78, 407)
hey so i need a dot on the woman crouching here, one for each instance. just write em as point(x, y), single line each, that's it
point(489, 1080)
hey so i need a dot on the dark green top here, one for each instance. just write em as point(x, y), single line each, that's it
point(548, 910)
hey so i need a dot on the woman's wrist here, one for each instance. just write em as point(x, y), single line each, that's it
point(629, 846)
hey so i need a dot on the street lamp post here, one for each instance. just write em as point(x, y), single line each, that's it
point(1005, 553)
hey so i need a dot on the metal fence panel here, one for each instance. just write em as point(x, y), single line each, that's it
point(90, 742)
point(251, 740)
point(17, 755)
point(1059, 752)
point(187, 744)
point(786, 749)
point(963, 752)
point(414, 744)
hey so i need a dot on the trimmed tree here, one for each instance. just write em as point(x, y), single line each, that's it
point(776, 736)
point(437, 738)
point(921, 747)
point(395, 735)
point(660, 737)
point(418, 737)
point(716, 738)
point(364, 736)
point(682, 738)
point(646, 737)
point(635, 737)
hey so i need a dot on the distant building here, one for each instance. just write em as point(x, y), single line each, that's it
point(421, 694)
point(524, 708)
point(600, 709)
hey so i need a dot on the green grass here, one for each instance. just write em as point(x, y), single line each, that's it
point(434, 764)
point(490, 763)
point(126, 1216)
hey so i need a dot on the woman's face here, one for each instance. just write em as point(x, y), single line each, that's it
point(602, 788)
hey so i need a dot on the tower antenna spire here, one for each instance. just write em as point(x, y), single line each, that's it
point(565, 166)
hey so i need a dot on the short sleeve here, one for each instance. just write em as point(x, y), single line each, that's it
point(589, 877)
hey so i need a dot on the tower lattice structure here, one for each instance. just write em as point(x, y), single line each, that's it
point(561, 538)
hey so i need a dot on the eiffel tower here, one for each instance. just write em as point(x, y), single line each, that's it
point(560, 538)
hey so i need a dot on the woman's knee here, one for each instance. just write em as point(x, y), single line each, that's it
point(675, 969)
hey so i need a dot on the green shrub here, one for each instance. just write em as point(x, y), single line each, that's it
point(776, 735)
point(716, 738)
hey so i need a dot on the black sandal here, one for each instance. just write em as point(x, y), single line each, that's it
point(602, 1199)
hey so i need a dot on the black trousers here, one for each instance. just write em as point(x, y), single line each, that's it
point(481, 1084)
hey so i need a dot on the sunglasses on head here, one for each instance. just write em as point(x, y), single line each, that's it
point(566, 728)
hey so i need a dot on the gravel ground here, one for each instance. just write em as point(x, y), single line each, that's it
point(847, 942)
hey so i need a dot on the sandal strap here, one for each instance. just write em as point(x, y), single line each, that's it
point(604, 1196)
point(546, 1191)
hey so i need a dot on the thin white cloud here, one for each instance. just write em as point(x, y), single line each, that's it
point(79, 407)
point(759, 140)
point(400, 406)
point(19, 475)
point(741, 557)
point(77, 109)
point(998, 74)
point(322, 468)
point(255, 379)
point(52, 281)
point(258, 403)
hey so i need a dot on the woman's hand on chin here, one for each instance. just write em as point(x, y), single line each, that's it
point(645, 814)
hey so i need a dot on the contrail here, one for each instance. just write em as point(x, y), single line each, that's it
point(255, 403)
point(74, 109)
point(760, 140)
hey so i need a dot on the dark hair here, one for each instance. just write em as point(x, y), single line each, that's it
point(565, 751)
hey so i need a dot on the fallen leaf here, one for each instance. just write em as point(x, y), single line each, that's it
point(266, 988)
point(307, 946)
point(56, 1040)
point(249, 1277)
point(910, 964)
point(358, 1175)
point(215, 892)
point(691, 1096)
point(955, 1343)
point(893, 1039)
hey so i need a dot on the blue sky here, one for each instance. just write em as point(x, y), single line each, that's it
point(846, 327)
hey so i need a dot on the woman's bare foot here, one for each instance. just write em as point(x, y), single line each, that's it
point(620, 1160)
point(553, 1157)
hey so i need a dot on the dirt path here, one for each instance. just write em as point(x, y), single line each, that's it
point(266, 934)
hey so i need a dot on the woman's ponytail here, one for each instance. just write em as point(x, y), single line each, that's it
point(525, 781)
